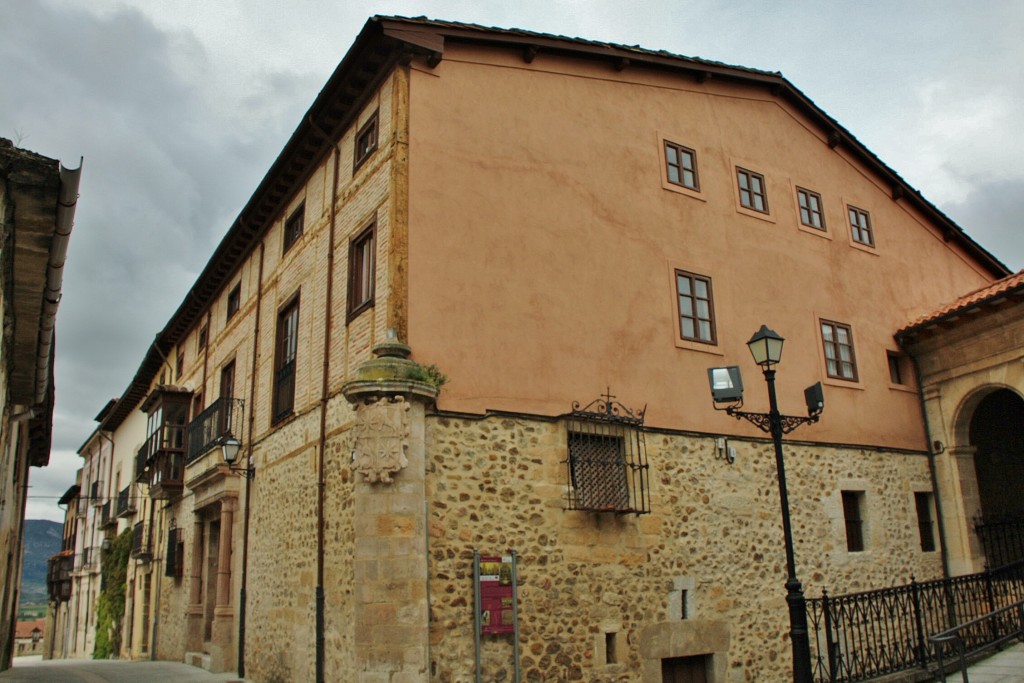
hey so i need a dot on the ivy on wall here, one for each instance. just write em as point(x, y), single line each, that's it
point(110, 605)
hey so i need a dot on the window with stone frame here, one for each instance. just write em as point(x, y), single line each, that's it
point(174, 559)
point(606, 459)
point(366, 141)
point(925, 520)
point(753, 194)
point(837, 341)
point(681, 166)
point(811, 214)
point(362, 268)
point(287, 343)
point(860, 227)
point(294, 227)
point(853, 519)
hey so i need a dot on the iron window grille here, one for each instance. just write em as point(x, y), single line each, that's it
point(174, 559)
point(210, 427)
point(606, 459)
point(925, 524)
point(284, 364)
point(140, 542)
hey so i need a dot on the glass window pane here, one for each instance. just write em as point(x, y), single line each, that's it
point(701, 288)
point(832, 367)
point(684, 284)
point(688, 179)
point(702, 309)
point(670, 154)
point(743, 181)
point(687, 160)
point(686, 306)
point(687, 324)
point(826, 332)
point(673, 174)
point(758, 202)
point(705, 330)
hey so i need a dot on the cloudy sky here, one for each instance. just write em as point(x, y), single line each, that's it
point(179, 107)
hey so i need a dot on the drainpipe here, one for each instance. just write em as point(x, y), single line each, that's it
point(321, 475)
point(66, 201)
point(944, 552)
point(248, 481)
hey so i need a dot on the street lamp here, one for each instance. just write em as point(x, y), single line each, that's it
point(229, 447)
point(727, 387)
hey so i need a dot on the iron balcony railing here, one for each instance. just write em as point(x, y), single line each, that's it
point(212, 425)
point(141, 548)
point(858, 636)
point(125, 502)
point(141, 462)
point(106, 519)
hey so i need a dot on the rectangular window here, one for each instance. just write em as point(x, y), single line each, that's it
point(860, 224)
point(681, 165)
point(696, 308)
point(853, 511)
point(752, 191)
point(293, 227)
point(234, 300)
point(284, 361)
point(837, 339)
point(227, 392)
point(810, 208)
point(203, 337)
point(366, 141)
point(361, 270)
point(896, 373)
point(179, 369)
point(925, 524)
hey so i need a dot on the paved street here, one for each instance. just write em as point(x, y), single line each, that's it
point(1004, 667)
point(88, 671)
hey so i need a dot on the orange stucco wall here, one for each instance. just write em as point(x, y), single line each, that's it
point(543, 239)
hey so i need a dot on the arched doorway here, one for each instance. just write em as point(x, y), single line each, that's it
point(997, 434)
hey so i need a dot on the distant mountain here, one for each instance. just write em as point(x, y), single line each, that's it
point(42, 541)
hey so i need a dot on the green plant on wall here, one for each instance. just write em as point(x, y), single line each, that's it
point(110, 605)
point(429, 374)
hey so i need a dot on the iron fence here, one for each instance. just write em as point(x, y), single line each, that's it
point(212, 425)
point(1002, 538)
point(858, 636)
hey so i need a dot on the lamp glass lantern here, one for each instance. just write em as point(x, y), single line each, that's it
point(766, 347)
point(229, 448)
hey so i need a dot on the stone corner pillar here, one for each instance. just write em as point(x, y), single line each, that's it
point(389, 516)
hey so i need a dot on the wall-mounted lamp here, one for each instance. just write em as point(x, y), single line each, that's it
point(230, 447)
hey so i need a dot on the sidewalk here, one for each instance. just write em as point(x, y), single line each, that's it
point(1003, 667)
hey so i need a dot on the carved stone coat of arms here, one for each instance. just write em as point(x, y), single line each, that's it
point(381, 437)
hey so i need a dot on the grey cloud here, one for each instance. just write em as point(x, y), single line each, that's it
point(991, 215)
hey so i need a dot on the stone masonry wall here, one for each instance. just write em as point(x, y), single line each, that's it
point(713, 542)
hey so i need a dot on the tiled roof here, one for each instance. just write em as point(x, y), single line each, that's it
point(24, 628)
point(1014, 284)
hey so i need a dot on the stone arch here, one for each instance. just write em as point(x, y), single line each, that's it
point(989, 424)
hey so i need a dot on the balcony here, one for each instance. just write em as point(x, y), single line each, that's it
point(210, 427)
point(58, 575)
point(161, 460)
point(96, 493)
point(106, 519)
point(125, 502)
point(141, 546)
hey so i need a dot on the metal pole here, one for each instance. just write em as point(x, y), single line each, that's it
point(515, 616)
point(476, 612)
point(794, 591)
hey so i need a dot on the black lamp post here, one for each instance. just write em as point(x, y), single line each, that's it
point(766, 348)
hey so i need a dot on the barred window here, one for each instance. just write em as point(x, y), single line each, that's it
point(925, 524)
point(853, 516)
point(174, 559)
point(607, 462)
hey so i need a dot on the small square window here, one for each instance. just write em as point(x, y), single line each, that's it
point(696, 308)
point(860, 225)
point(752, 190)
point(681, 166)
point(366, 141)
point(837, 339)
point(925, 523)
point(294, 227)
point(853, 516)
point(234, 300)
point(810, 208)
point(362, 257)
